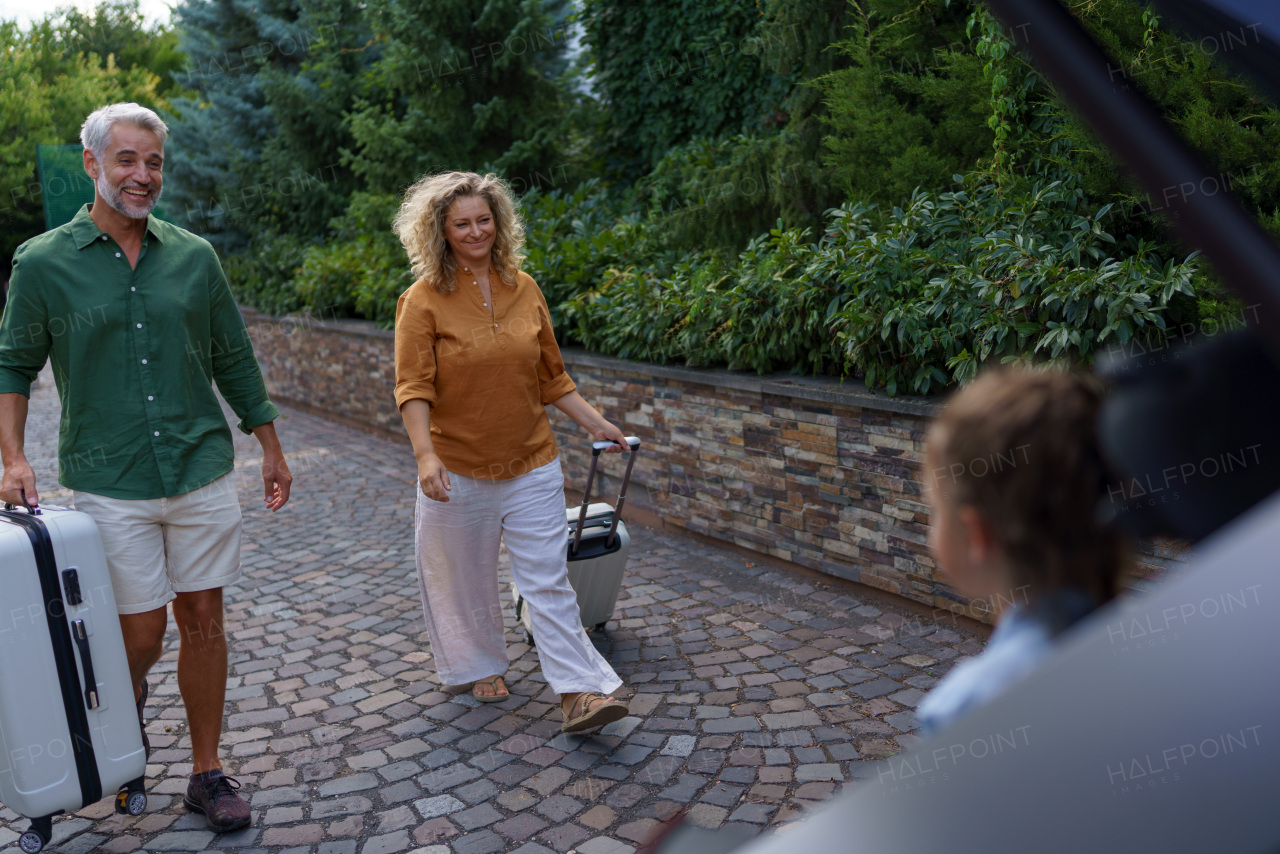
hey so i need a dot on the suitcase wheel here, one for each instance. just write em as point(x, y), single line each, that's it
point(131, 799)
point(38, 836)
point(600, 626)
point(528, 636)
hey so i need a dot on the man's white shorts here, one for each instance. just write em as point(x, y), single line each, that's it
point(159, 547)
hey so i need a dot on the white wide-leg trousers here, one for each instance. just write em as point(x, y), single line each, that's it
point(458, 542)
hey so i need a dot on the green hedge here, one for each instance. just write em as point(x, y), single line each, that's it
point(910, 299)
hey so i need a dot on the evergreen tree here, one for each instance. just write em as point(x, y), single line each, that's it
point(911, 110)
point(669, 74)
point(260, 146)
point(462, 85)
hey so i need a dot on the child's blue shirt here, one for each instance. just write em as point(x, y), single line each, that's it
point(1023, 638)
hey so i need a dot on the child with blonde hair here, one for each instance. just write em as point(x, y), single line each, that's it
point(1014, 476)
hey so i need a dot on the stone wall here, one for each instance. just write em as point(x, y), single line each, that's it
point(806, 470)
point(340, 368)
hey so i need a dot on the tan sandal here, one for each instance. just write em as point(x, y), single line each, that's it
point(591, 710)
point(492, 682)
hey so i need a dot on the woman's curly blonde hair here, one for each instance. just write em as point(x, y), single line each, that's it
point(420, 225)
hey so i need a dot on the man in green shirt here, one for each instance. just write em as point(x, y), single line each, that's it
point(138, 320)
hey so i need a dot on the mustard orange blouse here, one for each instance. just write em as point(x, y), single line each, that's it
point(487, 376)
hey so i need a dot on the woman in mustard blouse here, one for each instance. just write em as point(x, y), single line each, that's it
point(476, 363)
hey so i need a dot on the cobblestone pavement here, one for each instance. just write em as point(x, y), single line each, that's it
point(754, 692)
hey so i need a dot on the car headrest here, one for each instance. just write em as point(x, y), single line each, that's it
point(1191, 432)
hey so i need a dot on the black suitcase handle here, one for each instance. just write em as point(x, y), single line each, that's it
point(633, 445)
point(32, 509)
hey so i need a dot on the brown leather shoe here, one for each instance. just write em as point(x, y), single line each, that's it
point(214, 794)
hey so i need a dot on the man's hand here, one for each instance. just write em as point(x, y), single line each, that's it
point(19, 477)
point(18, 474)
point(276, 481)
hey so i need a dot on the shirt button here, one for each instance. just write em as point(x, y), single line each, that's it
point(117, 254)
point(139, 325)
point(133, 289)
point(104, 237)
point(144, 361)
point(151, 397)
point(157, 433)
point(495, 326)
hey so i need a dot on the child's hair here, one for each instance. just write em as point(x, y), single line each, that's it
point(1021, 447)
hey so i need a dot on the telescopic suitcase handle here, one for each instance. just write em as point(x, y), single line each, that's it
point(633, 443)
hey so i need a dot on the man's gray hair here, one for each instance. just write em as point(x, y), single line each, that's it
point(96, 130)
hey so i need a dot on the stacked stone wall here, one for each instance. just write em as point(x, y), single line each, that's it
point(811, 471)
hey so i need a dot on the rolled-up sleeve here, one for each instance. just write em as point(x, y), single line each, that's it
point(234, 366)
point(24, 334)
point(415, 352)
point(553, 381)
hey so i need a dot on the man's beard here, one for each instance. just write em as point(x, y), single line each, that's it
point(115, 198)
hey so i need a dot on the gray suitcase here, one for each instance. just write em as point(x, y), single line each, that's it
point(597, 545)
point(69, 729)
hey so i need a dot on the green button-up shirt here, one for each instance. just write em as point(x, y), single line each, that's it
point(135, 354)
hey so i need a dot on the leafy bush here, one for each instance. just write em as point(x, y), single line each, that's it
point(264, 278)
point(973, 276)
point(573, 238)
point(361, 268)
point(911, 300)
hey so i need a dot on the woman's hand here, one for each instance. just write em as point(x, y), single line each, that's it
point(608, 432)
point(573, 405)
point(433, 478)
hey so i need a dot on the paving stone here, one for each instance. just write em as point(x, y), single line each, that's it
point(640, 830)
point(184, 840)
point(564, 837)
point(296, 835)
point(743, 724)
point(604, 845)
point(437, 806)
point(340, 846)
point(520, 826)
point(685, 789)
point(350, 805)
point(481, 842)
point(875, 688)
point(347, 785)
point(534, 848)
point(723, 794)
point(707, 815)
point(476, 817)
point(819, 771)
point(737, 775)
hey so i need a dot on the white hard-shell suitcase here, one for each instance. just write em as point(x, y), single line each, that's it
point(598, 544)
point(69, 729)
